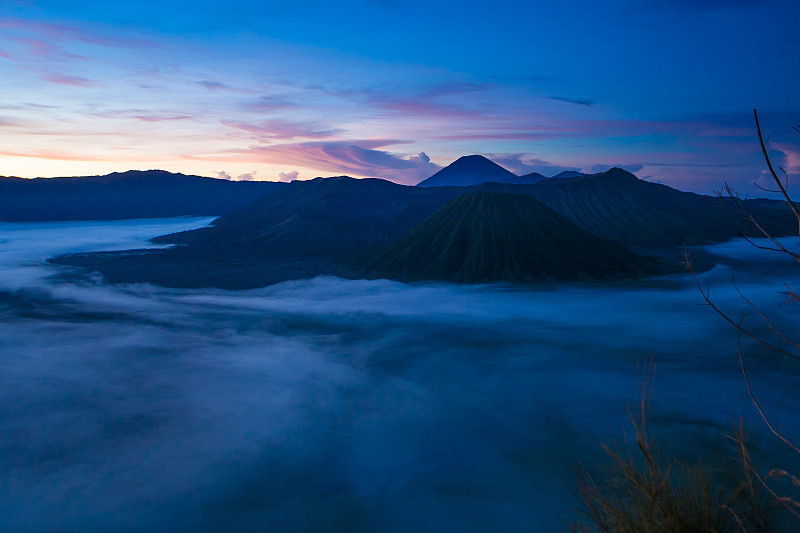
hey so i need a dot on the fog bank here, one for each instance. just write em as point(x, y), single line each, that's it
point(334, 405)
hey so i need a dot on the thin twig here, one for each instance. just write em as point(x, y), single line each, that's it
point(706, 296)
point(755, 402)
point(772, 171)
point(766, 320)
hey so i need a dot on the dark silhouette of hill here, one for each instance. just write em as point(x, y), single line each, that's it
point(323, 216)
point(527, 179)
point(484, 237)
point(469, 170)
point(132, 194)
point(307, 228)
point(638, 214)
point(476, 169)
point(568, 174)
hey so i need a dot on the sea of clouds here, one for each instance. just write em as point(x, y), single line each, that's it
point(335, 405)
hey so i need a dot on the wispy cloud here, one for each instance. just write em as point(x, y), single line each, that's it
point(215, 85)
point(63, 79)
point(282, 129)
point(452, 88)
point(520, 163)
point(359, 158)
point(410, 107)
point(578, 101)
point(161, 118)
point(269, 103)
point(72, 32)
point(144, 115)
point(57, 155)
point(204, 101)
point(44, 49)
point(530, 127)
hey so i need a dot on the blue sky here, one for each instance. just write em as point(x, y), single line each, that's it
point(397, 88)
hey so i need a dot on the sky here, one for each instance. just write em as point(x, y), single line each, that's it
point(397, 89)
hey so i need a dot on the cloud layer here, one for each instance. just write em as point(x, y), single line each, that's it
point(312, 404)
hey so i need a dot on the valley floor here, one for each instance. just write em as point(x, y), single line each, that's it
point(336, 405)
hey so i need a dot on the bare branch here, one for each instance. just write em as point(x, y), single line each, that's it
point(772, 328)
point(755, 402)
point(734, 196)
point(765, 189)
point(772, 171)
point(720, 312)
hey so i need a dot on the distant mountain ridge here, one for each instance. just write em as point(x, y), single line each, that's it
point(568, 174)
point(121, 195)
point(476, 169)
point(642, 215)
point(327, 225)
point(469, 170)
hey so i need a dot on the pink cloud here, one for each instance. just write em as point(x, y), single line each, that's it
point(58, 31)
point(61, 79)
point(355, 158)
point(46, 49)
point(55, 155)
point(281, 129)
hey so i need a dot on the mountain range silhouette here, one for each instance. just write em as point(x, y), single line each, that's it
point(596, 226)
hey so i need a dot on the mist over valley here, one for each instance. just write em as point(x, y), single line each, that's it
point(341, 405)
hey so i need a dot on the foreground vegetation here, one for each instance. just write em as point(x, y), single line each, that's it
point(641, 490)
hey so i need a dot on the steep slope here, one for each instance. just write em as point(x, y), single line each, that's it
point(618, 206)
point(483, 237)
point(321, 217)
point(469, 170)
point(132, 194)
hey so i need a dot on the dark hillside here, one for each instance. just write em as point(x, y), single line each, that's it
point(132, 194)
point(482, 237)
point(316, 227)
point(322, 217)
point(638, 214)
